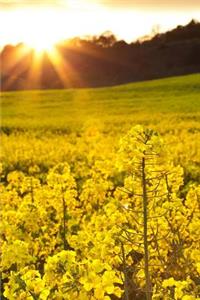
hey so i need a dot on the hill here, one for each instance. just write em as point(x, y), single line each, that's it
point(172, 100)
point(103, 61)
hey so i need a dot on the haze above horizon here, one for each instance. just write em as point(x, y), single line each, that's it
point(48, 22)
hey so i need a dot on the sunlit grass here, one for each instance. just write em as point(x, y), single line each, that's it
point(172, 100)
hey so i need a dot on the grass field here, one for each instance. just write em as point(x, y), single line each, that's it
point(170, 106)
point(175, 99)
point(73, 181)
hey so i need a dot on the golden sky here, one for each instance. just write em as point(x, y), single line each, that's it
point(42, 21)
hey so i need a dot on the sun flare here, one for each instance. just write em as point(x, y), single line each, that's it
point(39, 30)
point(41, 45)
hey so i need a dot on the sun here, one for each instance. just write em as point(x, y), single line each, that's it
point(38, 29)
point(41, 44)
point(41, 39)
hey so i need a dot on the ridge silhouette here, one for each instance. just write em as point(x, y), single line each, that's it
point(103, 61)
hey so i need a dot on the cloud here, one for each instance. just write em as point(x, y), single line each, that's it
point(114, 4)
point(10, 4)
point(151, 4)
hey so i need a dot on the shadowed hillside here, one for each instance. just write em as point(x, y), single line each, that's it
point(102, 61)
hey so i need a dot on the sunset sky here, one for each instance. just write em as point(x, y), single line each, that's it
point(46, 22)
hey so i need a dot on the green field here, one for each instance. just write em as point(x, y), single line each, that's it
point(176, 99)
point(37, 125)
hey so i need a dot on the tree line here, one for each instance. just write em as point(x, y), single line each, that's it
point(103, 60)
